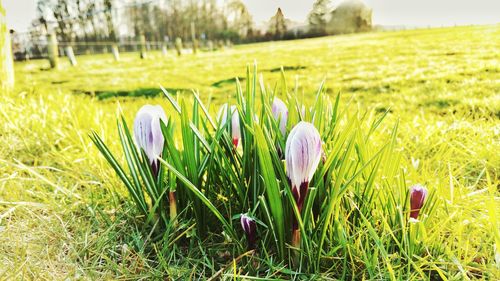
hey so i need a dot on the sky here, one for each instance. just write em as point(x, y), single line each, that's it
point(20, 13)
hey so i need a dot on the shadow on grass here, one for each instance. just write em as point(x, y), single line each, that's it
point(225, 82)
point(143, 92)
point(232, 80)
point(375, 89)
point(441, 103)
point(287, 68)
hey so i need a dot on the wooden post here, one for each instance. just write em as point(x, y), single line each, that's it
point(71, 55)
point(210, 45)
point(178, 45)
point(164, 49)
point(6, 59)
point(53, 50)
point(193, 38)
point(116, 53)
point(143, 46)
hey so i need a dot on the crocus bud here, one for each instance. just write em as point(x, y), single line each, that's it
point(280, 110)
point(417, 198)
point(148, 135)
point(302, 156)
point(235, 122)
point(250, 228)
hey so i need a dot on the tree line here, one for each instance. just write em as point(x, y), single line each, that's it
point(158, 20)
point(110, 20)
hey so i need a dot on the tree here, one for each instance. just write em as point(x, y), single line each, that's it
point(42, 9)
point(350, 16)
point(277, 25)
point(75, 19)
point(108, 4)
point(318, 17)
point(240, 17)
point(62, 13)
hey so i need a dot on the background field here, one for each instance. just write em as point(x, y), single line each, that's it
point(62, 211)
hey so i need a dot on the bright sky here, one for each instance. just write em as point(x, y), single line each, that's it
point(20, 13)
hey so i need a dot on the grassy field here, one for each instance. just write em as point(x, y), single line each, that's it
point(64, 213)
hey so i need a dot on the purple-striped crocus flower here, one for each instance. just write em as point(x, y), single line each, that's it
point(148, 135)
point(280, 110)
point(235, 122)
point(302, 156)
point(418, 193)
point(250, 228)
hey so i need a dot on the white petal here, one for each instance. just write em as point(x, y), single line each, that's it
point(302, 153)
point(235, 123)
point(147, 130)
point(280, 112)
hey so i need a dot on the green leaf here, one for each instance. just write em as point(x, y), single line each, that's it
point(202, 197)
point(272, 188)
point(136, 194)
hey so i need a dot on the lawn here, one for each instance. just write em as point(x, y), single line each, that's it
point(65, 214)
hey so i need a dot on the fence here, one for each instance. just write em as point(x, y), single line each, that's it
point(28, 46)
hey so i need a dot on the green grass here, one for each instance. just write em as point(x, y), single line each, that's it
point(64, 214)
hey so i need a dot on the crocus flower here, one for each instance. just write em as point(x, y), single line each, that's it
point(280, 110)
point(250, 228)
point(417, 198)
point(302, 156)
point(235, 122)
point(147, 133)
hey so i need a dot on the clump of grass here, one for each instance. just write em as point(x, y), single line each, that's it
point(354, 220)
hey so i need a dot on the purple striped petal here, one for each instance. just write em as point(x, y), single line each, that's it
point(280, 110)
point(302, 156)
point(147, 130)
point(250, 228)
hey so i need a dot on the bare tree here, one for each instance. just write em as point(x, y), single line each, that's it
point(277, 25)
point(108, 5)
point(240, 18)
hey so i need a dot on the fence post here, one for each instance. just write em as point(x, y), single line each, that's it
point(143, 46)
point(164, 49)
point(71, 55)
point(178, 45)
point(116, 53)
point(210, 45)
point(53, 50)
point(6, 59)
point(193, 38)
point(220, 44)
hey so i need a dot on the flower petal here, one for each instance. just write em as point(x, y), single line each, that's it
point(280, 112)
point(147, 130)
point(302, 153)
